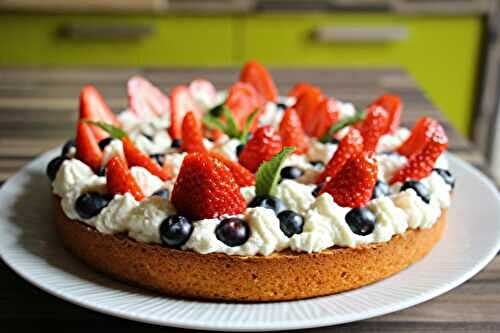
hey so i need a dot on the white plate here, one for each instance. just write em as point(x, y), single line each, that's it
point(29, 245)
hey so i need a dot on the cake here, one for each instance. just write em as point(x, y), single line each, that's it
point(247, 195)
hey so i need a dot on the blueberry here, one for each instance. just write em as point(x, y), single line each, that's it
point(149, 137)
point(334, 140)
point(159, 158)
point(291, 172)
point(67, 147)
point(90, 204)
point(102, 171)
point(104, 142)
point(239, 148)
point(232, 231)
point(54, 166)
point(291, 223)
point(381, 189)
point(446, 175)
point(361, 221)
point(163, 193)
point(421, 189)
point(317, 164)
point(317, 189)
point(268, 201)
point(281, 106)
point(175, 230)
point(176, 143)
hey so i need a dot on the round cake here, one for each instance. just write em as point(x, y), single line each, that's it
point(246, 195)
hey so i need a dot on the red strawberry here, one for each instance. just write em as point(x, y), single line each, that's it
point(300, 88)
point(205, 188)
point(351, 144)
point(320, 120)
point(353, 185)
point(181, 102)
point(241, 175)
point(306, 106)
point(93, 107)
point(119, 179)
point(420, 165)
point(393, 105)
point(292, 133)
point(242, 100)
point(421, 133)
point(258, 76)
point(87, 149)
point(135, 157)
point(373, 127)
point(144, 98)
point(202, 87)
point(192, 136)
point(264, 144)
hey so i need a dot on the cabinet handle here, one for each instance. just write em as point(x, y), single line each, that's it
point(114, 32)
point(357, 34)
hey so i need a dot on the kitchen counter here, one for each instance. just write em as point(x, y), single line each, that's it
point(38, 109)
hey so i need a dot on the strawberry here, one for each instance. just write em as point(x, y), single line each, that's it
point(306, 106)
point(421, 133)
point(144, 98)
point(300, 88)
point(353, 185)
point(350, 145)
point(205, 90)
point(264, 144)
point(205, 188)
point(420, 164)
point(292, 133)
point(320, 120)
point(242, 100)
point(258, 76)
point(93, 107)
point(192, 136)
point(241, 175)
point(181, 102)
point(393, 105)
point(135, 157)
point(373, 127)
point(119, 179)
point(87, 149)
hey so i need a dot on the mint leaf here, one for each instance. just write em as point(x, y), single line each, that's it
point(246, 127)
point(231, 127)
point(114, 132)
point(359, 116)
point(268, 174)
point(213, 122)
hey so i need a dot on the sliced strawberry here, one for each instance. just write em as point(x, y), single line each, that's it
point(350, 145)
point(93, 107)
point(181, 102)
point(306, 106)
point(192, 136)
point(205, 188)
point(320, 120)
point(421, 133)
point(264, 144)
point(300, 88)
point(420, 165)
point(292, 133)
point(144, 98)
point(258, 76)
point(373, 127)
point(394, 106)
point(242, 100)
point(119, 179)
point(203, 90)
point(87, 149)
point(241, 174)
point(135, 157)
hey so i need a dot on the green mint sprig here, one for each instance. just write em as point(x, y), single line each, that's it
point(113, 131)
point(348, 121)
point(268, 174)
point(230, 127)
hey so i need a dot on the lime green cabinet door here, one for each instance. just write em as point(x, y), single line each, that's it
point(440, 52)
point(162, 40)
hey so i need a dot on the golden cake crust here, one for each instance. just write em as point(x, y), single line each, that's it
point(286, 275)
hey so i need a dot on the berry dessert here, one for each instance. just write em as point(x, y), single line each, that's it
point(247, 195)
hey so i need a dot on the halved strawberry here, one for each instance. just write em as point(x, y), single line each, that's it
point(306, 106)
point(242, 100)
point(192, 136)
point(292, 133)
point(203, 90)
point(350, 145)
point(373, 127)
point(300, 88)
point(144, 98)
point(93, 107)
point(205, 188)
point(420, 164)
point(135, 157)
point(119, 179)
point(320, 120)
point(421, 133)
point(181, 102)
point(353, 185)
point(241, 175)
point(264, 144)
point(394, 106)
point(87, 149)
point(258, 76)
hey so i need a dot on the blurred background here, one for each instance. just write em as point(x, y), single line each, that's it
point(449, 47)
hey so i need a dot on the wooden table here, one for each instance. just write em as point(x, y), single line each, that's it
point(38, 108)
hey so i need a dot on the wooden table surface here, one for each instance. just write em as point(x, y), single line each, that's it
point(38, 108)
